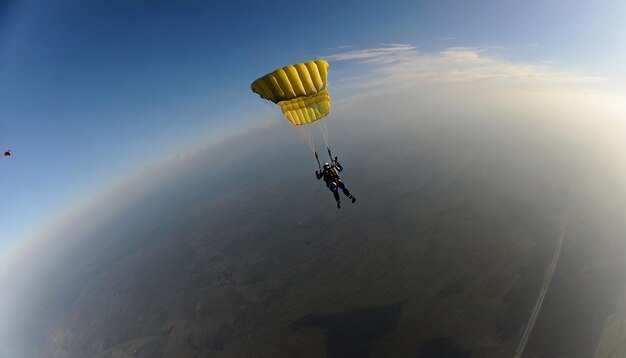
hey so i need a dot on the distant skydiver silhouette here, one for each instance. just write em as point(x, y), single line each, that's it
point(7, 154)
point(330, 173)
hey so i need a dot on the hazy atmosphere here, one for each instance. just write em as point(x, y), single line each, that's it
point(155, 207)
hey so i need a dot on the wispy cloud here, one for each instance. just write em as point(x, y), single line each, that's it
point(401, 64)
point(387, 53)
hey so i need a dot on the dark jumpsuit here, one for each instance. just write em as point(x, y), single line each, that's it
point(333, 182)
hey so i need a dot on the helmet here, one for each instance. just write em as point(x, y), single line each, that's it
point(326, 165)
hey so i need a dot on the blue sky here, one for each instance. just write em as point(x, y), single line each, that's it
point(92, 92)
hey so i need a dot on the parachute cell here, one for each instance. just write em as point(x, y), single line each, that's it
point(299, 90)
point(305, 110)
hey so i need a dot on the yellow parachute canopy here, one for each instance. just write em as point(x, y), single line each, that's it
point(299, 90)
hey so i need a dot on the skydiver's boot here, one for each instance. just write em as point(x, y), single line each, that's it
point(353, 198)
point(338, 204)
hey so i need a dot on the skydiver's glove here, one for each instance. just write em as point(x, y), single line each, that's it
point(317, 173)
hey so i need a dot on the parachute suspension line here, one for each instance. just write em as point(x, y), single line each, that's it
point(306, 136)
point(303, 132)
point(324, 130)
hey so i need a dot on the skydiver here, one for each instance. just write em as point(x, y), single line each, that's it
point(330, 173)
point(7, 154)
